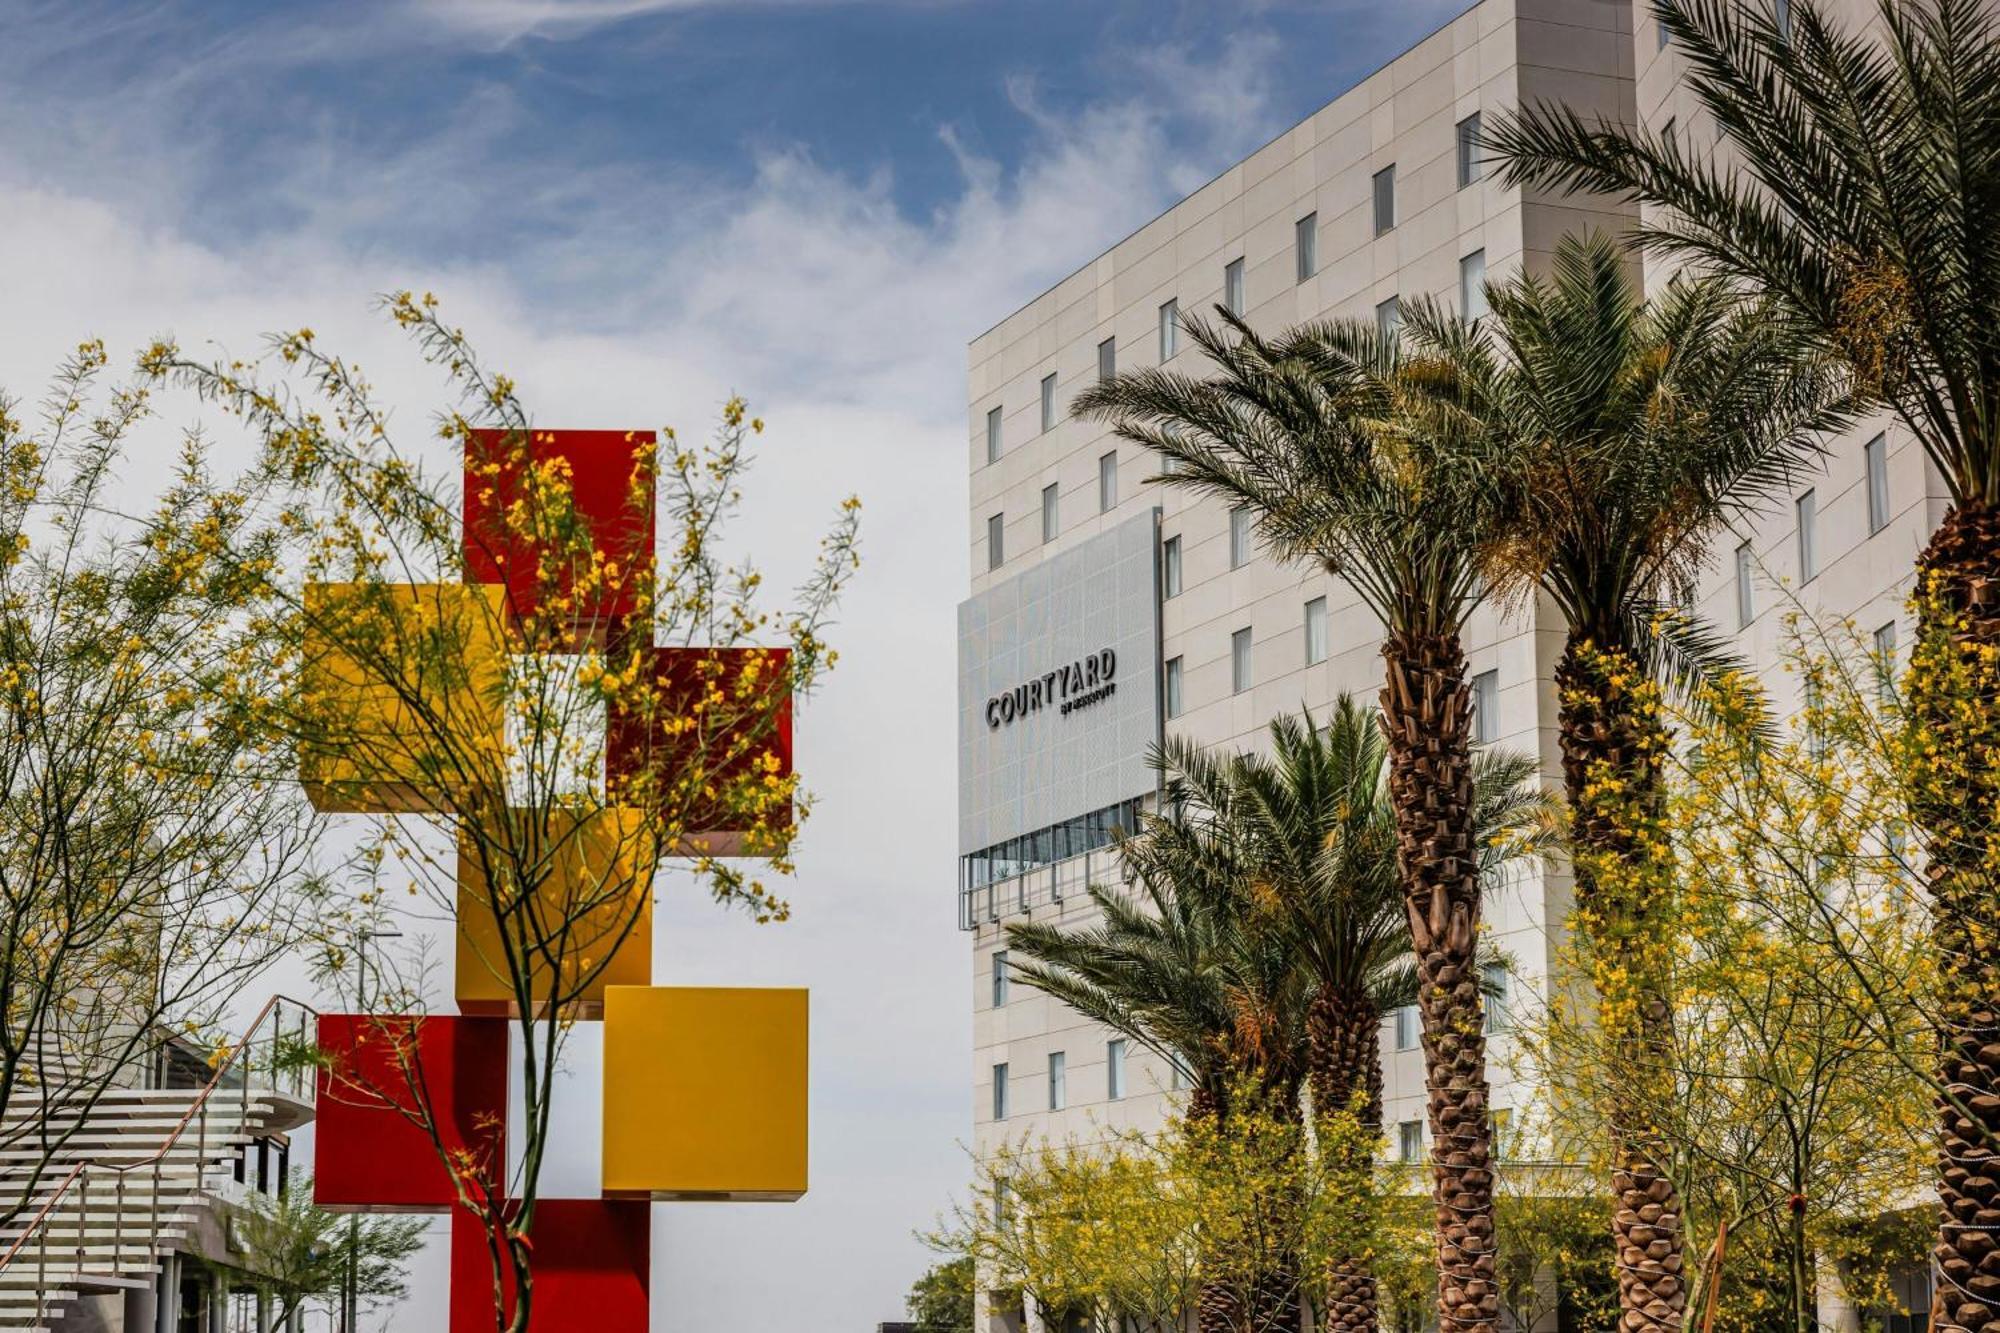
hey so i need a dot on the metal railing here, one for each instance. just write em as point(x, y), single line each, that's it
point(277, 1026)
point(1049, 885)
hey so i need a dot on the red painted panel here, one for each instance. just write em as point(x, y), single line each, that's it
point(592, 1264)
point(609, 491)
point(369, 1155)
point(730, 744)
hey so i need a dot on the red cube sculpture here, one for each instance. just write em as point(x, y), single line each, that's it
point(610, 480)
point(370, 1155)
point(592, 1266)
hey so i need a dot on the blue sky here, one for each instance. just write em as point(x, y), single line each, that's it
point(636, 207)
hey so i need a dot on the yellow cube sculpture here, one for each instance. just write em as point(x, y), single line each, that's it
point(704, 1093)
point(402, 695)
point(592, 911)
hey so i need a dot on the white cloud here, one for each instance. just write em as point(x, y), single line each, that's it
point(497, 23)
point(846, 320)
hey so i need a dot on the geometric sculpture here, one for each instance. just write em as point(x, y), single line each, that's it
point(593, 1263)
point(370, 1155)
point(704, 1093)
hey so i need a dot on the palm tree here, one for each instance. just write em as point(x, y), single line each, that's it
point(1632, 431)
point(1320, 838)
point(1341, 462)
point(1861, 196)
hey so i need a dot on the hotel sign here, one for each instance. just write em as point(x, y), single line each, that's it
point(1067, 688)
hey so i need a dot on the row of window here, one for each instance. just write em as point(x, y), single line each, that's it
point(1057, 842)
point(1805, 515)
point(1305, 252)
point(1107, 500)
point(1410, 1136)
point(1058, 1083)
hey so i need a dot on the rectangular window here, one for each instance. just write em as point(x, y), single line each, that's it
point(1000, 1092)
point(1239, 661)
point(1885, 662)
point(1660, 33)
point(1409, 1028)
point(1178, 1077)
point(1806, 510)
point(1876, 456)
point(1385, 199)
point(1389, 318)
point(1107, 358)
point(1410, 1141)
point(1493, 981)
point(1316, 631)
point(1170, 567)
point(1232, 287)
point(1472, 285)
point(1058, 1090)
point(1746, 606)
point(1049, 401)
point(1486, 707)
point(1781, 10)
point(1170, 330)
point(999, 978)
point(1107, 483)
point(1503, 1130)
point(1049, 516)
point(1173, 687)
point(993, 435)
point(1114, 1068)
point(995, 526)
point(1239, 537)
point(1667, 130)
point(1470, 167)
point(1305, 242)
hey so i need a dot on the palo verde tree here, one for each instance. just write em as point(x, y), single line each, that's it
point(478, 662)
point(1628, 432)
point(1859, 192)
point(1348, 460)
point(294, 1253)
point(155, 855)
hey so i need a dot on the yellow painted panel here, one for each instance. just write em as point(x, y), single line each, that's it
point(402, 695)
point(704, 1092)
point(587, 925)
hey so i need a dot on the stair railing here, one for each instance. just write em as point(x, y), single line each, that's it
point(299, 1083)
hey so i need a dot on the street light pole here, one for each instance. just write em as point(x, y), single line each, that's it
point(350, 1296)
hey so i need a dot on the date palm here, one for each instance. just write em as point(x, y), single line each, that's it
point(1343, 459)
point(1320, 837)
point(1629, 432)
point(1861, 195)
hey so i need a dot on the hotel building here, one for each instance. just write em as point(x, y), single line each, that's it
point(1105, 612)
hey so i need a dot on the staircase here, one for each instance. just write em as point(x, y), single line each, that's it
point(127, 1186)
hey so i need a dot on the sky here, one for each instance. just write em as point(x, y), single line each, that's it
point(636, 208)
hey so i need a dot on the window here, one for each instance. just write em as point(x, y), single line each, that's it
point(1305, 242)
point(1660, 33)
point(1472, 285)
point(1239, 537)
point(1746, 608)
point(1876, 456)
point(1470, 168)
point(1232, 287)
point(1049, 401)
point(1486, 707)
point(995, 526)
point(1410, 1141)
point(1107, 482)
point(1058, 1084)
point(1107, 358)
point(1493, 981)
point(1667, 130)
point(1178, 1077)
point(1807, 509)
point(999, 978)
point(1389, 318)
point(1000, 1092)
point(1409, 1028)
point(1049, 515)
point(1385, 199)
point(1781, 10)
point(1170, 567)
point(1885, 658)
point(993, 435)
point(1114, 1068)
point(1239, 660)
point(1173, 687)
point(1170, 329)
point(1316, 631)
point(1503, 1125)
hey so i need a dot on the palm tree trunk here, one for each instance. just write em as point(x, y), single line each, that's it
point(1954, 691)
point(1343, 1051)
point(1613, 746)
point(1426, 715)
